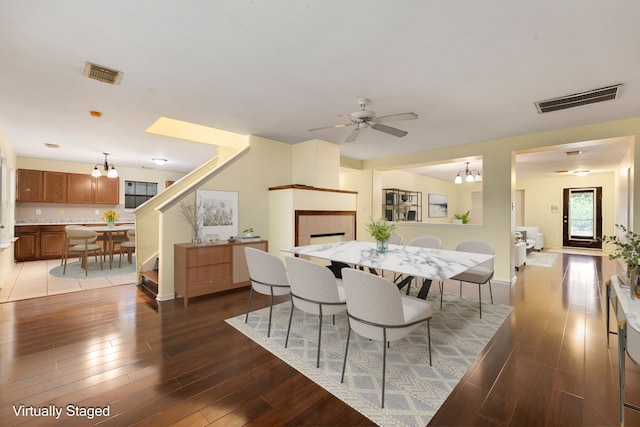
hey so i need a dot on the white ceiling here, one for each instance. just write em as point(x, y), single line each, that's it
point(471, 71)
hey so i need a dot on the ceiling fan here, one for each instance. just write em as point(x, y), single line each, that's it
point(367, 119)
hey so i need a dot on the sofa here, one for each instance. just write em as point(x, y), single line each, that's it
point(533, 237)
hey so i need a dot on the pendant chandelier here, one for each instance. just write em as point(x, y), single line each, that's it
point(109, 168)
point(469, 175)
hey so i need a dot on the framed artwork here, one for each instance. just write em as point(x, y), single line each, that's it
point(219, 212)
point(438, 206)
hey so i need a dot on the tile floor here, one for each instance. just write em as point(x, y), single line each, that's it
point(31, 279)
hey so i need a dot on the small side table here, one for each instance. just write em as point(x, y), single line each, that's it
point(521, 254)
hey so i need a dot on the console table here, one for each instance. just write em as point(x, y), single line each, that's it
point(209, 268)
point(628, 316)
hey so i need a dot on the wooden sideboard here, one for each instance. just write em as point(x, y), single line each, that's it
point(206, 269)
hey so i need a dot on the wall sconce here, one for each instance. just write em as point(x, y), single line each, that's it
point(469, 175)
point(109, 168)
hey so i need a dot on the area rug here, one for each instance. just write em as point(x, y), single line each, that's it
point(541, 259)
point(74, 271)
point(414, 390)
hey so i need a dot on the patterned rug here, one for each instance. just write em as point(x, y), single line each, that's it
point(414, 391)
point(75, 271)
point(542, 259)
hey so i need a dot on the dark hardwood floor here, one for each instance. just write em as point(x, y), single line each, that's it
point(165, 364)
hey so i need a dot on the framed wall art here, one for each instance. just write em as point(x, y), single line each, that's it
point(438, 206)
point(219, 212)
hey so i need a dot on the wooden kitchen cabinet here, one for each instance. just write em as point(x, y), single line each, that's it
point(30, 185)
point(206, 269)
point(52, 239)
point(27, 247)
point(107, 190)
point(55, 187)
point(80, 188)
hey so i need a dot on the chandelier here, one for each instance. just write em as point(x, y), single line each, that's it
point(109, 168)
point(469, 175)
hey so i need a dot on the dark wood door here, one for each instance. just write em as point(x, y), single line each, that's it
point(582, 217)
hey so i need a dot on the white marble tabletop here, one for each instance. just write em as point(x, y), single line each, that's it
point(435, 264)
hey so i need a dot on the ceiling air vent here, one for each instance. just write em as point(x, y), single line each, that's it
point(102, 74)
point(608, 93)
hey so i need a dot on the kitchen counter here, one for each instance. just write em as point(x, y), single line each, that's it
point(72, 221)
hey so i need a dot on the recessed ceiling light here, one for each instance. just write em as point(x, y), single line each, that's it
point(159, 161)
point(51, 145)
point(95, 114)
point(573, 153)
point(581, 173)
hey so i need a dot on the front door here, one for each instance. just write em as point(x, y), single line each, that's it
point(582, 217)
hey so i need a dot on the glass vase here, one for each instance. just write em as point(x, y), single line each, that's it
point(382, 245)
point(111, 223)
point(633, 279)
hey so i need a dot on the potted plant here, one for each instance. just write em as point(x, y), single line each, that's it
point(110, 217)
point(462, 218)
point(248, 232)
point(381, 230)
point(627, 248)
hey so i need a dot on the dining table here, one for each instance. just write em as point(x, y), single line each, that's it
point(108, 232)
point(409, 261)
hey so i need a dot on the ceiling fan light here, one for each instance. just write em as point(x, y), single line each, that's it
point(96, 172)
point(458, 179)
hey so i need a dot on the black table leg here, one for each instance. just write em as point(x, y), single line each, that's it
point(424, 290)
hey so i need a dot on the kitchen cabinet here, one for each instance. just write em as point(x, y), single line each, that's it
point(62, 187)
point(52, 239)
point(80, 188)
point(27, 247)
point(55, 187)
point(107, 190)
point(206, 269)
point(30, 185)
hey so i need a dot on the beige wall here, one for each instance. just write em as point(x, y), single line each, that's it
point(7, 253)
point(543, 194)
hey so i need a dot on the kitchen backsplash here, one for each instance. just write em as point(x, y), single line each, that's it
point(54, 213)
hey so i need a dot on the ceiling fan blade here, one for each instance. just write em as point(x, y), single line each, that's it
point(396, 117)
point(332, 127)
point(353, 135)
point(389, 130)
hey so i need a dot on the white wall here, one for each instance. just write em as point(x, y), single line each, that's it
point(7, 254)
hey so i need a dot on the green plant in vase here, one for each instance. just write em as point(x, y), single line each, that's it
point(627, 248)
point(381, 230)
point(463, 217)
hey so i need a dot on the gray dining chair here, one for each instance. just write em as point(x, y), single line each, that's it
point(268, 276)
point(314, 290)
point(377, 311)
point(480, 274)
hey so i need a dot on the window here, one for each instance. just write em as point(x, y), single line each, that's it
point(136, 193)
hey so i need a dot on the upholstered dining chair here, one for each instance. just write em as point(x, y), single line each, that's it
point(480, 274)
point(396, 239)
point(268, 276)
point(68, 244)
point(377, 311)
point(314, 290)
point(128, 246)
point(432, 242)
point(88, 245)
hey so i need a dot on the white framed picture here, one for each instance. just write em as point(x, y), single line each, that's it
point(219, 212)
point(438, 206)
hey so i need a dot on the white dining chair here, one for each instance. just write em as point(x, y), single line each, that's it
point(128, 246)
point(268, 276)
point(314, 290)
point(88, 245)
point(480, 274)
point(377, 311)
